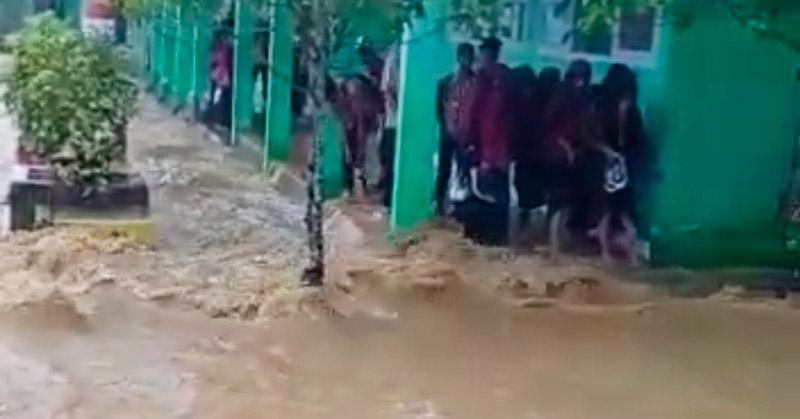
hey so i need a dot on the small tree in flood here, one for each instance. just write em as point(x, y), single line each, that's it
point(322, 27)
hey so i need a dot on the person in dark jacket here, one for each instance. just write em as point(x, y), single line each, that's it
point(569, 127)
point(527, 182)
point(623, 142)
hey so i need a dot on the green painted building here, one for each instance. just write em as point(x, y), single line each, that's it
point(720, 104)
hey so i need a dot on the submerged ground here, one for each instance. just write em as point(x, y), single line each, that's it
point(209, 323)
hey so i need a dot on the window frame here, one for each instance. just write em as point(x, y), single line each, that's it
point(645, 59)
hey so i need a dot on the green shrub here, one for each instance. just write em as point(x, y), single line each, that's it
point(71, 100)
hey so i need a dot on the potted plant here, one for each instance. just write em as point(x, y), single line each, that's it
point(72, 102)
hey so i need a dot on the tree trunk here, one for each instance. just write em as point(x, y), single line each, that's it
point(314, 52)
point(315, 271)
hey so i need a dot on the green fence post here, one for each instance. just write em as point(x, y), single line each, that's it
point(154, 44)
point(278, 114)
point(203, 28)
point(162, 48)
point(243, 80)
point(175, 74)
point(170, 49)
point(193, 96)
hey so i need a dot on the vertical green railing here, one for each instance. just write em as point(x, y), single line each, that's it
point(203, 33)
point(243, 80)
point(278, 135)
point(176, 72)
point(173, 46)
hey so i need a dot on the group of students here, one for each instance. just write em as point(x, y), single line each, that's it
point(559, 143)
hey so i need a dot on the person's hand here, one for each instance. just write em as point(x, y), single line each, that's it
point(569, 152)
point(473, 174)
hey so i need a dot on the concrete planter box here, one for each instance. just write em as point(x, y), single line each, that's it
point(41, 202)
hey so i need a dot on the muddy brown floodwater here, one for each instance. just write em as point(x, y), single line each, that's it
point(95, 326)
point(457, 355)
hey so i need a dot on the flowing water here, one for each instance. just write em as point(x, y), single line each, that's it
point(448, 353)
point(453, 355)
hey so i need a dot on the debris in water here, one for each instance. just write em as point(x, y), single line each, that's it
point(729, 293)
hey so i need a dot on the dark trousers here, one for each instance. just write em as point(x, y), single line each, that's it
point(529, 182)
point(484, 222)
point(220, 113)
point(387, 150)
point(447, 148)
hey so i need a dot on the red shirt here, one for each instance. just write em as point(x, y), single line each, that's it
point(493, 116)
point(459, 106)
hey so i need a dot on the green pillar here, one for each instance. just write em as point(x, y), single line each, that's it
point(422, 63)
point(332, 156)
point(203, 30)
point(175, 71)
point(154, 45)
point(194, 39)
point(161, 48)
point(278, 135)
point(182, 72)
point(138, 39)
point(243, 81)
point(170, 49)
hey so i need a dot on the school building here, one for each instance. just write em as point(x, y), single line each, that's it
point(721, 106)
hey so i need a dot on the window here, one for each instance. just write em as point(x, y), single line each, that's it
point(513, 23)
point(637, 29)
point(633, 38)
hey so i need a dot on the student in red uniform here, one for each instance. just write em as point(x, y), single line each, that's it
point(221, 71)
point(491, 137)
point(455, 97)
point(569, 126)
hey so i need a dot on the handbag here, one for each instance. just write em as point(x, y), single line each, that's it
point(616, 172)
point(458, 189)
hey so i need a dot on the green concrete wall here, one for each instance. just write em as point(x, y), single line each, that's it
point(717, 103)
point(725, 146)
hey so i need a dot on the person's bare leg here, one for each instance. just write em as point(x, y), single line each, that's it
point(603, 235)
point(628, 240)
point(359, 185)
point(555, 229)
